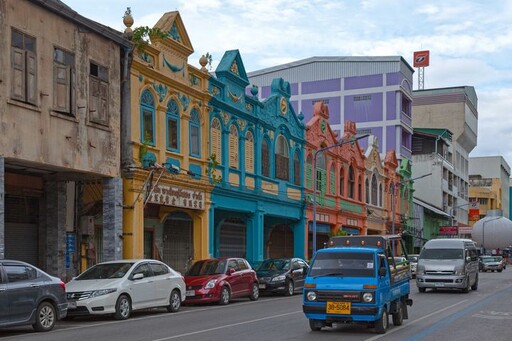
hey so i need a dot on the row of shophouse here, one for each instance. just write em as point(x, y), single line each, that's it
point(110, 151)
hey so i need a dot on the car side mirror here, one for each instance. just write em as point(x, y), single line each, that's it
point(382, 271)
point(468, 259)
point(138, 276)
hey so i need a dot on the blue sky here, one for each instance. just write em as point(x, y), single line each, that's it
point(470, 41)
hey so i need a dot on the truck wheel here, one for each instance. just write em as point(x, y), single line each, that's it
point(475, 286)
point(422, 289)
point(316, 325)
point(398, 317)
point(466, 289)
point(381, 325)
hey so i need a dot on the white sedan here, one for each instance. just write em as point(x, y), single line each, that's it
point(119, 287)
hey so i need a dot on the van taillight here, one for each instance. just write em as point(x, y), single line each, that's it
point(63, 285)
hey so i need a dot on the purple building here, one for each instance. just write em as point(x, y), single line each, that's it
point(374, 92)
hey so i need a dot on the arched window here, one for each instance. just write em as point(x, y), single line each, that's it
point(173, 125)
point(195, 133)
point(351, 183)
point(216, 140)
point(360, 189)
point(265, 158)
point(233, 147)
point(374, 190)
point(282, 159)
point(367, 190)
point(249, 152)
point(380, 196)
point(321, 173)
point(147, 118)
point(342, 182)
point(296, 169)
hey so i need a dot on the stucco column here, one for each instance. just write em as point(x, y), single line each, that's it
point(211, 231)
point(300, 232)
point(2, 208)
point(255, 237)
point(56, 228)
point(112, 219)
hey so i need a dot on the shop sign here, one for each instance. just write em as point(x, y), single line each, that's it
point(177, 197)
point(448, 230)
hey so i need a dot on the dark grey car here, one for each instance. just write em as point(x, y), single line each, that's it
point(29, 296)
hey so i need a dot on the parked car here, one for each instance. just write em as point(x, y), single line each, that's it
point(120, 287)
point(282, 275)
point(490, 263)
point(413, 259)
point(503, 261)
point(221, 279)
point(30, 296)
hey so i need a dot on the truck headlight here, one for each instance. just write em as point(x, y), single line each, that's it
point(311, 296)
point(459, 272)
point(367, 297)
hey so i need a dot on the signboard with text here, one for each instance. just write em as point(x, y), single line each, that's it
point(448, 230)
point(177, 197)
point(421, 58)
point(474, 211)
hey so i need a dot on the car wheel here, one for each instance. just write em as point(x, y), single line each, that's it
point(381, 325)
point(224, 296)
point(255, 292)
point(422, 289)
point(290, 289)
point(466, 289)
point(398, 317)
point(174, 301)
point(123, 308)
point(500, 270)
point(46, 317)
point(316, 325)
point(475, 285)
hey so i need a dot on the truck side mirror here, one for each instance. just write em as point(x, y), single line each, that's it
point(382, 271)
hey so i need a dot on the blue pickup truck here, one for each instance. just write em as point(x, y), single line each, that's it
point(358, 279)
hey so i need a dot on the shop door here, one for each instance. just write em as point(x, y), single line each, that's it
point(280, 243)
point(232, 238)
point(178, 241)
point(21, 235)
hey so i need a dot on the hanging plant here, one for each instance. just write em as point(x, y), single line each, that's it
point(210, 170)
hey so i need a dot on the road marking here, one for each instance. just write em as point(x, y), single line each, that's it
point(417, 320)
point(228, 326)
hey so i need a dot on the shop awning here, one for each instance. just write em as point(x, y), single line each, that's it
point(430, 207)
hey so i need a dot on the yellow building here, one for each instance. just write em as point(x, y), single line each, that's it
point(486, 193)
point(166, 191)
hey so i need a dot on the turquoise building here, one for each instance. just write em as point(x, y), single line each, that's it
point(257, 165)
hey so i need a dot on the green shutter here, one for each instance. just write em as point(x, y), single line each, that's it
point(333, 182)
point(309, 173)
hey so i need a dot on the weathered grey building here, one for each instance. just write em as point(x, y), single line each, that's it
point(60, 136)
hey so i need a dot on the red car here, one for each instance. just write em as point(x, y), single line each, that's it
point(220, 280)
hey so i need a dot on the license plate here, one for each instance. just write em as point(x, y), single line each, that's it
point(439, 284)
point(71, 305)
point(190, 293)
point(338, 308)
point(262, 286)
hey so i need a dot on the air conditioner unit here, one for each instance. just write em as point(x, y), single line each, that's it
point(87, 225)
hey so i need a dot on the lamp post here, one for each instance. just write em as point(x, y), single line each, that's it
point(314, 179)
point(453, 208)
point(393, 187)
point(483, 234)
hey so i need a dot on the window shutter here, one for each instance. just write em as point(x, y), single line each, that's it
point(216, 144)
point(31, 78)
point(333, 182)
point(18, 74)
point(62, 85)
point(94, 96)
point(103, 103)
point(309, 173)
point(323, 181)
point(249, 155)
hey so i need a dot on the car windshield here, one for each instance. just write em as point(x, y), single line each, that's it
point(442, 254)
point(104, 271)
point(207, 267)
point(274, 265)
point(346, 264)
point(489, 260)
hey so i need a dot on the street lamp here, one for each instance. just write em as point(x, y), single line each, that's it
point(314, 179)
point(453, 208)
point(483, 234)
point(392, 188)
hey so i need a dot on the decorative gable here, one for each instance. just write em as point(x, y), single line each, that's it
point(171, 24)
point(231, 70)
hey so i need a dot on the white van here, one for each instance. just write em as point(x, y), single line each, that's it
point(448, 263)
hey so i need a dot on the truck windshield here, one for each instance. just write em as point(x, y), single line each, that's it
point(441, 254)
point(346, 264)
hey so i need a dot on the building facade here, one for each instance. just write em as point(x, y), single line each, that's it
point(257, 204)
point(374, 92)
point(339, 174)
point(166, 189)
point(453, 109)
point(494, 167)
point(60, 113)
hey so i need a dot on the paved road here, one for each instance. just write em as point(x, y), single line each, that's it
point(485, 314)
